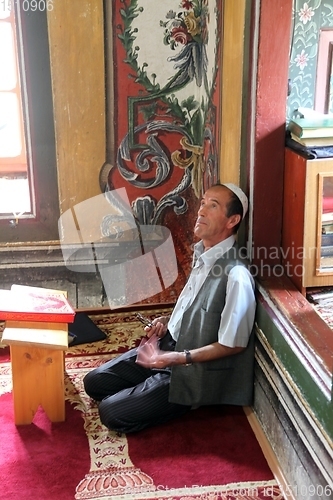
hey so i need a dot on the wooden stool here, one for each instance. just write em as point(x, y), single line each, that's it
point(37, 358)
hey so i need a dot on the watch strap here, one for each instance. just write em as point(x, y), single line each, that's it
point(188, 358)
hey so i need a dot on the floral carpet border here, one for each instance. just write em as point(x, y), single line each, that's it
point(268, 490)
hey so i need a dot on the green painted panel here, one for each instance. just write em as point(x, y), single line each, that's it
point(321, 407)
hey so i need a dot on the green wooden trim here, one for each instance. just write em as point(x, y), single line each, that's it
point(319, 406)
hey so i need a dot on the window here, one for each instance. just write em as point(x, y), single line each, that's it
point(12, 143)
point(27, 142)
point(324, 97)
point(14, 184)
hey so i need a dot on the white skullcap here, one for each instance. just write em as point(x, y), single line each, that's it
point(240, 195)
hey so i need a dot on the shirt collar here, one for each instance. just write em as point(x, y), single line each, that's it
point(210, 256)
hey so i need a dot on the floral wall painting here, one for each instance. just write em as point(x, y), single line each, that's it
point(309, 19)
point(166, 109)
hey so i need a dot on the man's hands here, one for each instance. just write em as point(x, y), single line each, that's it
point(150, 355)
point(159, 328)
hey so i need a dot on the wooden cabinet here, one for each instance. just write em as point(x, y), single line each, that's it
point(307, 232)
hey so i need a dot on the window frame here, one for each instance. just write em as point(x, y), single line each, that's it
point(16, 164)
point(324, 70)
point(35, 74)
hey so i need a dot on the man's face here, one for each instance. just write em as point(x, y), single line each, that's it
point(212, 224)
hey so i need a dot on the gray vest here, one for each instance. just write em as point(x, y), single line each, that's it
point(227, 380)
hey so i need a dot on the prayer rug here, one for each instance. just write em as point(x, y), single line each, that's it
point(209, 454)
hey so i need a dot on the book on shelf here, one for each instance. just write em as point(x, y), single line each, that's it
point(327, 204)
point(312, 142)
point(327, 223)
point(326, 228)
point(311, 127)
point(327, 218)
point(28, 303)
point(327, 239)
point(321, 296)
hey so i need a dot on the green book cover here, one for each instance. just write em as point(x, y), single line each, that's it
point(311, 127)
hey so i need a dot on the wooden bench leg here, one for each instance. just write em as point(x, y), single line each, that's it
point(38, 380)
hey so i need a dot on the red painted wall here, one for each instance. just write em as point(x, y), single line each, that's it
point(271, 97)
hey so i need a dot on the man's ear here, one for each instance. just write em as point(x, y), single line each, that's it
point(233, 221)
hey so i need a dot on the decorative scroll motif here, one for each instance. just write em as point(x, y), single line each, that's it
point(169, 120)
point(146, 209)
point(195, 160)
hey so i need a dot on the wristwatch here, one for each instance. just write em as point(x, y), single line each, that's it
point(188, 358)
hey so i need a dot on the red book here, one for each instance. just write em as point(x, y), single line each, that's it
point(27, 303)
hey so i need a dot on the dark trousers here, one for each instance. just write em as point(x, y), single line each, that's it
point(132, 397)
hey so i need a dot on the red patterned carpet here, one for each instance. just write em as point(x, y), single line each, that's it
point(210, 454)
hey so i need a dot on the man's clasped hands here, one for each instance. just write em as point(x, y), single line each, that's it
point(149, 354)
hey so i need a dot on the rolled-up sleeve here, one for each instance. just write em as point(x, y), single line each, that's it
point(237, 317)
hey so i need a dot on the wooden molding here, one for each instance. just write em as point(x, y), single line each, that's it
point(232, 94)
point(76, 34)
point(267, 450)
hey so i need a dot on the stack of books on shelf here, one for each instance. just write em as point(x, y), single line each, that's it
point(327, 228)
point(312, 129)
point(311, 132)
point(322, 296)
point(322, 301)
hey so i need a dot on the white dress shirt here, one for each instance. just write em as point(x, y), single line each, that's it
point(237, 316)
